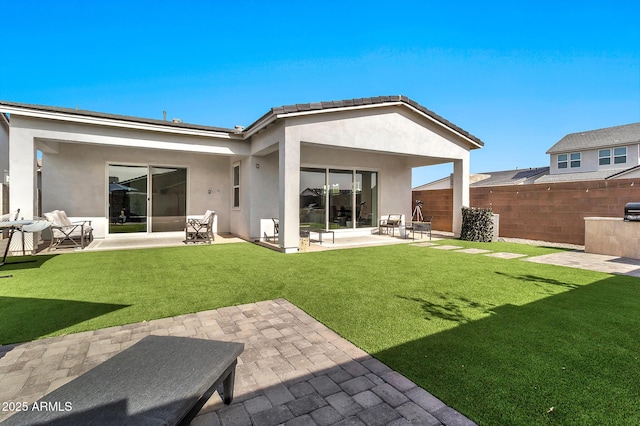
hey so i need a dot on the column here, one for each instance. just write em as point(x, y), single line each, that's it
point(289, 191)
point(22, 183)
point(460, 191)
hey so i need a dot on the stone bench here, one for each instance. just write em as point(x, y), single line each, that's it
point(161, 380)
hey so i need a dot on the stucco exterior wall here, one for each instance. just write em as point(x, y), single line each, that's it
point(4, 166)
point(4, 147)
point(76, 179)
point(392, 130)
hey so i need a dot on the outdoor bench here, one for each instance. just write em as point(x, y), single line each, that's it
point(161, 380)
point(321, 232)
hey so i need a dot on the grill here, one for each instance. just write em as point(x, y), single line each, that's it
point(632, 212)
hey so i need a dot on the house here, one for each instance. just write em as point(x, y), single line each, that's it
point(612, 152)
point(339, 165)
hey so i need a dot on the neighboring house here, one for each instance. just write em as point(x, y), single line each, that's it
point(338, 165)
point(596, 154)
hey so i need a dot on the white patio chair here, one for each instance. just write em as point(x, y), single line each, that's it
point(200, 230)
point(79, 233)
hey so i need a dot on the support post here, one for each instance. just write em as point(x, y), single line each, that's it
point(460, 192)
point(289, 182)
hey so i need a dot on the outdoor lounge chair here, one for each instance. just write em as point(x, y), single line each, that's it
point(63, 230)
point(200, 230)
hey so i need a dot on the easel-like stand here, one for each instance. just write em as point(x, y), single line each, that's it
point(417, 212)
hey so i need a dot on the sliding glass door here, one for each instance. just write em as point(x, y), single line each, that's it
point(134, 191)
point(168, 199)
point(338, 199)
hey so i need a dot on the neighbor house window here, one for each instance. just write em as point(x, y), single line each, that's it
point(236, 185)
point(562, 161)
point(620, 155)
point(575, 159)
point(604, 157)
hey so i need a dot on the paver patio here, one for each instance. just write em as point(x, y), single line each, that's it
point(294, 370)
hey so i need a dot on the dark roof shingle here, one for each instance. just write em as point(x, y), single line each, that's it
point(609, 136)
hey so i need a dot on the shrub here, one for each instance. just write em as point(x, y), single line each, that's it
point(477, 225)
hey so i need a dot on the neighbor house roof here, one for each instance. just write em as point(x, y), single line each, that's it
point(277, 112)
point(122, 118)
point(572, 177)
point(512, 177)
point(499, 178)
point(593, 139)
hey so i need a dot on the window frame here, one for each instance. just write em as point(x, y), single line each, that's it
point(235, 185)
point(604, 157)
point(575, 160)
point(617, 156)
point(563, 161)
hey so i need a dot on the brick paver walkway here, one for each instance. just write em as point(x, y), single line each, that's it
point(294, 370)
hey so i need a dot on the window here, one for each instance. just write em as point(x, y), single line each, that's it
point(338, 199)
point(562, 161)
point(620, 155)
point(604, 157)
point(236, 185)
point(575, 159)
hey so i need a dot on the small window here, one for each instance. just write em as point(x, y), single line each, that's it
point(604, 157)
point(620, 155)
point(236, 185)
point(575, 159)
point(562, 161)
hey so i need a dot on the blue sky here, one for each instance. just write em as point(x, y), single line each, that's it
point(518, 75)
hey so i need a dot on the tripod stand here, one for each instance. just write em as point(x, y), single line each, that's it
point(417, 213)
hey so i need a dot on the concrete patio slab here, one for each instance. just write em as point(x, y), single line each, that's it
point(294, 370)
point(425, 244)
point(474, 251)
point(590, 261)
point(446, 247)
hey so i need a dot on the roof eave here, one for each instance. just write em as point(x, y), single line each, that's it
point(86, 117)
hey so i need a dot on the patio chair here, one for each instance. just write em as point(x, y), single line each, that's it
point(63, 230)
point(276, 229)
point(200, 230)
point(392, 222)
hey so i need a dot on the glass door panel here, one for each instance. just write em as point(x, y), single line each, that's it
point(313, 198)
point(366, 188)
point(168, 199)
point(340, 199)
point(127, 199)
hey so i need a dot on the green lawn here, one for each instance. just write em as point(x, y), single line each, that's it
point(500, 340)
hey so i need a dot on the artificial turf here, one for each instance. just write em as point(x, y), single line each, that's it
point(502, 341)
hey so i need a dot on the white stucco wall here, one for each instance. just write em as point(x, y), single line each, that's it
point(76, 179)
point(4, 147)
point(4, 165)
point(391, 129)
point(76, 157)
